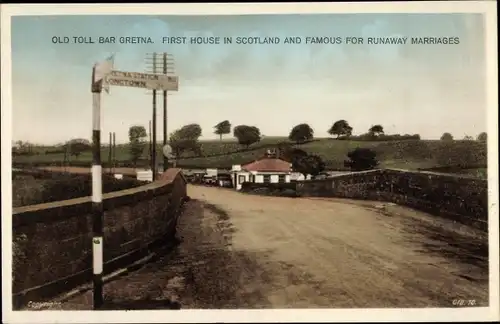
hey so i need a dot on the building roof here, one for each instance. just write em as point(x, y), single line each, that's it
point(268, 165)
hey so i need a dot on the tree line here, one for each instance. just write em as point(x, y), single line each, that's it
point(74, 147)
point(186, 138)
point(482, 137)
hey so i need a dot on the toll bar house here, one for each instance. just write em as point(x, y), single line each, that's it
point(265, 170)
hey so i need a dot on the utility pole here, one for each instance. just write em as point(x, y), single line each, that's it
point(114, 151)
point(150, 145)
point(160, 63)
point(110, 153)
point(165, 159)
point(153, 153)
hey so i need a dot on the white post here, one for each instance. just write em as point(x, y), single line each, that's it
point(97, 210)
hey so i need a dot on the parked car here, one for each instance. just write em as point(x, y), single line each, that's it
point(225, 181)
point(210, 180)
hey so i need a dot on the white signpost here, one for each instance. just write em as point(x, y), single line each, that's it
point(103, 76)
point(143, 80)
point(167, 151)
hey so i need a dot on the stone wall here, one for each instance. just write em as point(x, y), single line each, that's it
point(462, 199)
point(52, 249)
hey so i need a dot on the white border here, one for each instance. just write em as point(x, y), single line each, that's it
point(312, 315)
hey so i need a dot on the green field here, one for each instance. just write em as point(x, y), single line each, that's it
point(405, 154)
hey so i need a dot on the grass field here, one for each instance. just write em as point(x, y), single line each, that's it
point(29, 189)
point(406, 154)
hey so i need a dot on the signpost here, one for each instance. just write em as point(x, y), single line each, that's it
point(143, 80)
point(103, 76)
point(99, 71)
point(167, 151)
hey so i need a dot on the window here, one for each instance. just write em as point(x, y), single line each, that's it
point(241, 178)
point(267, 178)
point(281, 178)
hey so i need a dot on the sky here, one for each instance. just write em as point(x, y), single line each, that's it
point(409, 89)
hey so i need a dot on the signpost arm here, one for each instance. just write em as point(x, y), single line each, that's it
point(165, 159)
point(97, 210)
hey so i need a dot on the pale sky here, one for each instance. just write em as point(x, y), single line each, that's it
point(424, 89)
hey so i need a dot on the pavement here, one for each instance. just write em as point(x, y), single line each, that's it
point(246, 251)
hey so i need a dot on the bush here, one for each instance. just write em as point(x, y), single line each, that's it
point(361, 159)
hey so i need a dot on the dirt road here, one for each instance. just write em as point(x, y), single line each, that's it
point(245, 251)
point(324, 253)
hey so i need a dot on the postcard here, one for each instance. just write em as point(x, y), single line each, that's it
point(250, 162)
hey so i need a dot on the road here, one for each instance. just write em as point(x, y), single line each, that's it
point(247, 251)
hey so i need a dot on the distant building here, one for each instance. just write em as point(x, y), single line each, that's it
point(269, 169)
point(297, 176)
point(144, 175)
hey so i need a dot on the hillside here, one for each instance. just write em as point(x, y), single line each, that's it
point(408, 154)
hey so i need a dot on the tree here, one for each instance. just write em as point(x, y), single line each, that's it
point(136, 136)
point(377, 130)
point(77, 146)
point(301, 133)
point(24, 148)
point(447, 137)
point(246, 135)
point(19, 144)
point(340, 127)
point(186, 139)
point(180, 143)
point(222, 128)
point(468, 138)
point(290, 154)
point(190, 131)
point(482, 137)
point(308, 164)
point(361, 159)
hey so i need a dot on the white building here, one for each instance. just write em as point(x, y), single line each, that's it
point(297, 176)
point(144, 175)
point(265, 170)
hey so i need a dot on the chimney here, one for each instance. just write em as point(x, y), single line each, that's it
point(271, 153)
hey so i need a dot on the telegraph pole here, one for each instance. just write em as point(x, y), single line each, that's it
point(160, 63)
point(165, 159)
point(114, 151)
point(153, 153)
point(150, 144)
point(110, 153)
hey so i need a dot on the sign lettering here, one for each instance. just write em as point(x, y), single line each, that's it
point(142, 80)
point(127, 83)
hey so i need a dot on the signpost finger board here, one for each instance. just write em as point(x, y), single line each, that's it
point(143, 80)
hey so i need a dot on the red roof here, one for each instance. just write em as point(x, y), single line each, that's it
point(268, 165)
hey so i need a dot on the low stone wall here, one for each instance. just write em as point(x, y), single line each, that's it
point(52, 247)
point(462, 199)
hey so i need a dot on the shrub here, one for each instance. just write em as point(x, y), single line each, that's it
point(361, 159)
